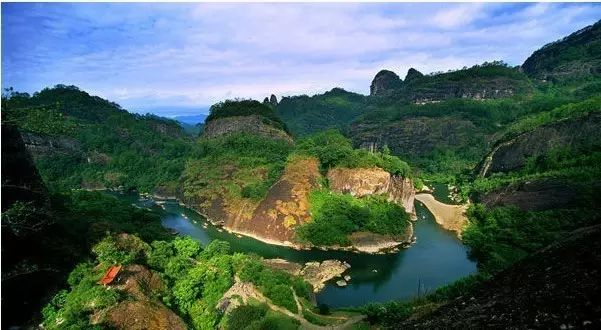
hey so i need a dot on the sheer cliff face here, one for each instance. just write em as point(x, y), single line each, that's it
point(420, 136)
point(249, 124)
point(20, 178)
point(285, 206)
point(36, 251)
point(539, 194)
point(545, 194)
point(577, 133)
point(361, 182)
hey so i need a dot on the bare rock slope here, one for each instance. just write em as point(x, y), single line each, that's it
point(361, 182)
point(255, 124)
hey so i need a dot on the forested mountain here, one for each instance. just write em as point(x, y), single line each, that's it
point(79, 140)
point(248, 174)
point(309, 114)
point(444, 123)
point(576, 56)
point(535, 210)
point(46, 233)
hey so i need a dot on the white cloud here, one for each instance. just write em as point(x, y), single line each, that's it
point(458, 16)
point(198, 54)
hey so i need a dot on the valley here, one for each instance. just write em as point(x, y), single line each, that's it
point(436, 258)
point(439, 200)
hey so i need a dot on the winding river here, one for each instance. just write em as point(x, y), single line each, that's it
point(437, 258)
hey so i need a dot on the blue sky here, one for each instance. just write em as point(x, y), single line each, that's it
point(178, 58)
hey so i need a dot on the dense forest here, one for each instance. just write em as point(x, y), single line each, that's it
point(86, 141)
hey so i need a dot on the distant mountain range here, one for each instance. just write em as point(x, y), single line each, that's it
point(191, 115)
point(191, 119)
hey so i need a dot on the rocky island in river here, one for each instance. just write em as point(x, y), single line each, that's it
point(272, 193)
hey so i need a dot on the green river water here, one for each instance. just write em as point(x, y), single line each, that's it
point(437, 258)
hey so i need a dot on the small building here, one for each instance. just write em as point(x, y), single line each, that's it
point(110, 275)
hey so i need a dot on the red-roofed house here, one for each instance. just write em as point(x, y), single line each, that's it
point(110, 275)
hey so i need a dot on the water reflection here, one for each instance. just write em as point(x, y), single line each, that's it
point(436, 259)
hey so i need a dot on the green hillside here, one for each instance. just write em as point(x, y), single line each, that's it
point(309, 114)
point(576, 56)
point(81, 140)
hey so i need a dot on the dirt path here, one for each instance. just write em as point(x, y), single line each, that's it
point(450, 217)
point(247, 290)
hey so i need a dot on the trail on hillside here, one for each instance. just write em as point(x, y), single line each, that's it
point(246, 290)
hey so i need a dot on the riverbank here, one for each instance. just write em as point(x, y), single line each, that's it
point(374, 277)
point(450, 217)
point(367, 243)
point(314, 272)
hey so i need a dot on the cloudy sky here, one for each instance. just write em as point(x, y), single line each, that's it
point(160, 57)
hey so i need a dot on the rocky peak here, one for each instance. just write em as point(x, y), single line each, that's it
point(384, 82)
point(273, 100)
point(413, 74)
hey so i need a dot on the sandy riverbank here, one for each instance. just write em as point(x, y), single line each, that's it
point(450, 217)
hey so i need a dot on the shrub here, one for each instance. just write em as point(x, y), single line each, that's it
point(275, 321)
point(244, 315)
point(160, 254)
point(335, 216)
point(334, 150)
point(281, 295)
point(186, 247)
point(500, 236)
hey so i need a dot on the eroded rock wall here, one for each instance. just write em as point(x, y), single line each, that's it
point(361, 182)
point(577, 133)
point(249, 124)
point(545, 194)
point(420, 136)
point(285, 206)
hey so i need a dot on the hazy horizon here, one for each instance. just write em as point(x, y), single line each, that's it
point(163, 57)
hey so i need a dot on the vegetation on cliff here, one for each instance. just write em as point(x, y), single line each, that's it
point(335, 216)
point(500, 235)
point(443, 122)
point(194, 280)
point(231, 175)
point(539, 184)
point(238, 166)
point(575, 56)
point(310, 114)
point(159, 271)
point(232, 108)
point(334, 150)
